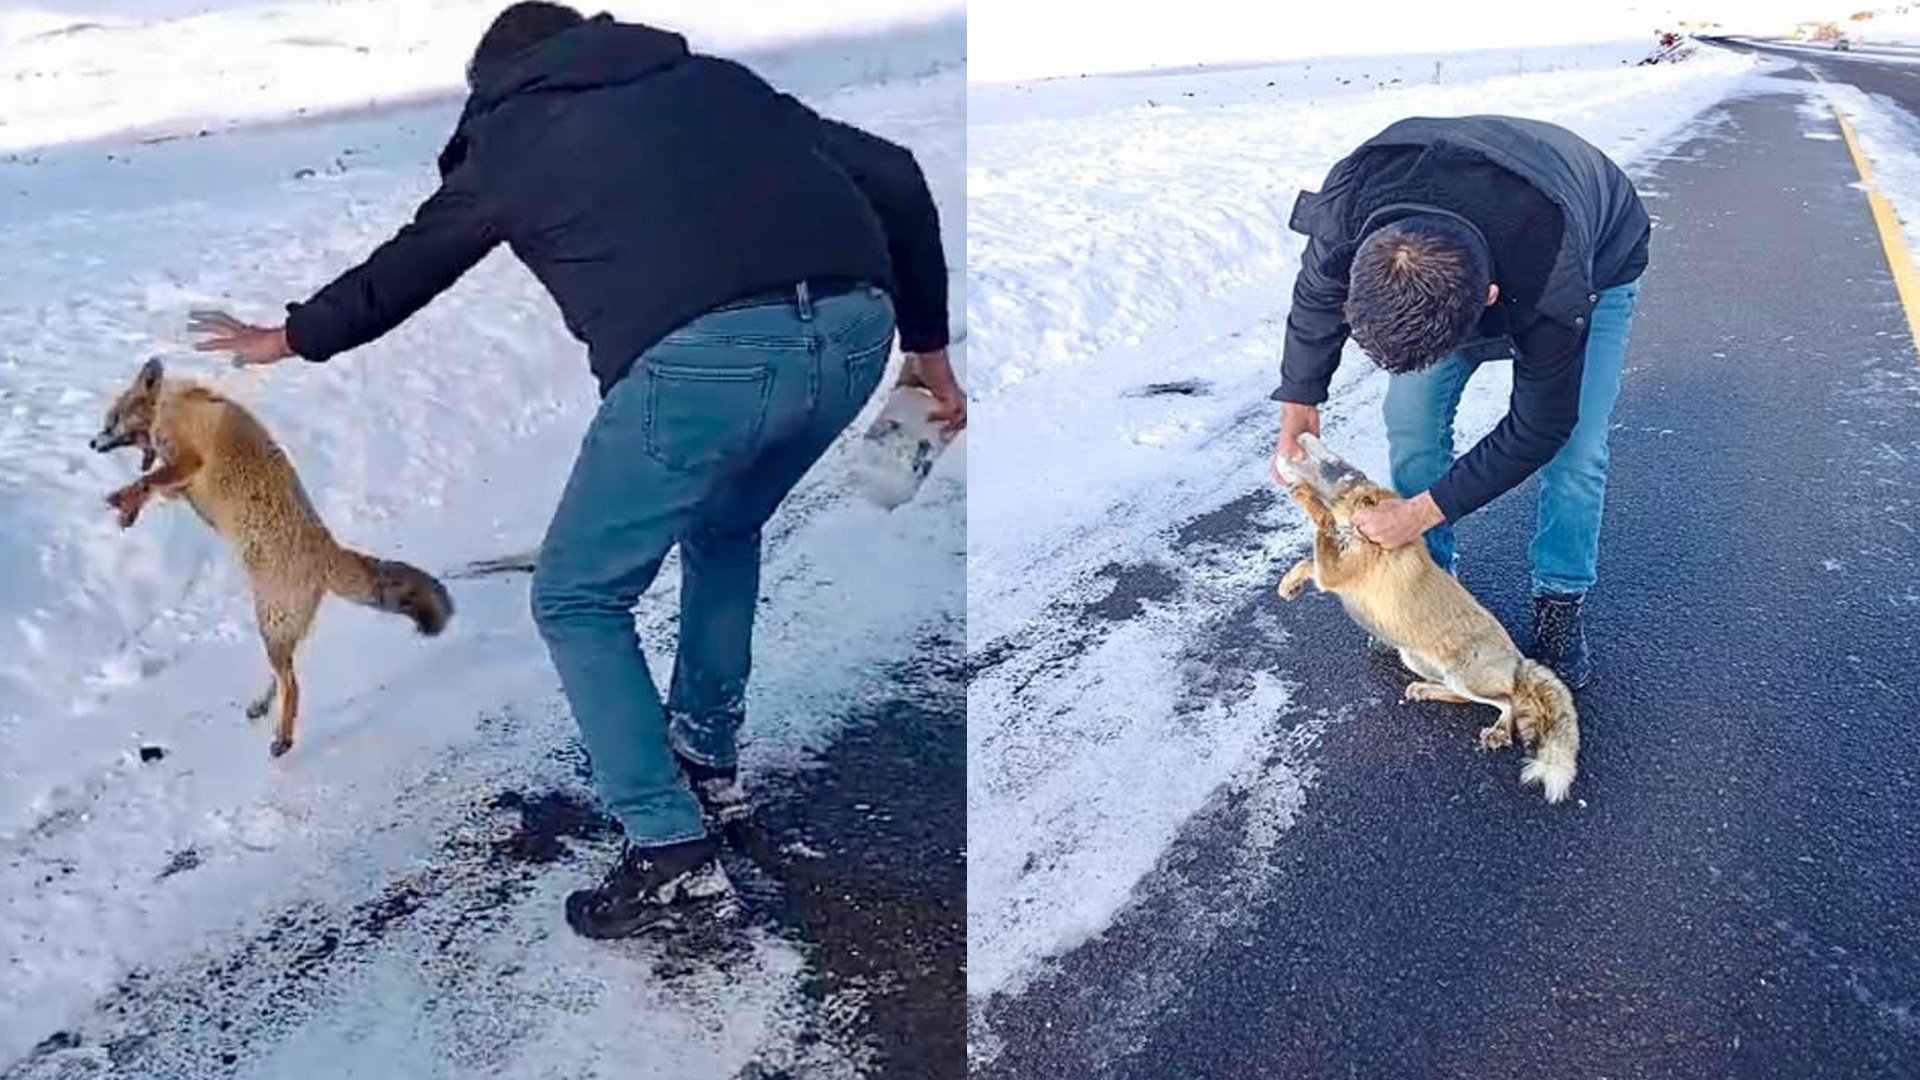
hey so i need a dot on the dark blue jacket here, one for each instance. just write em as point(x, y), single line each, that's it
point(644, 185)
point(1562, 222)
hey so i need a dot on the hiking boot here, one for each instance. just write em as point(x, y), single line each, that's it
point(649, 888)
point(1559, 641)
point(718, 790)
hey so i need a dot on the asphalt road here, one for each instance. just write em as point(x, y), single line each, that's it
point(1737, 891)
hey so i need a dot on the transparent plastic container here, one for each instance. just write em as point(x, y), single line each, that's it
point(899, 448)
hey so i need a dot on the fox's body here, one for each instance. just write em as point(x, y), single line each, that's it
point(221, 460)
point(1460, 651)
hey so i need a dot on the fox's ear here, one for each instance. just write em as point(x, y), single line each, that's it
point(150, 373)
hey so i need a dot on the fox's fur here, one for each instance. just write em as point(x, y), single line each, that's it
point(220, 459)
point(1458, 649)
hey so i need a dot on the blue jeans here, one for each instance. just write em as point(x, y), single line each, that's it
point(1573, 483)
point(696, 446)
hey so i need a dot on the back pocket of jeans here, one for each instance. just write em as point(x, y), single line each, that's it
point(700, 416)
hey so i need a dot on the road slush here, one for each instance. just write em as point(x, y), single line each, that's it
point(899, 448)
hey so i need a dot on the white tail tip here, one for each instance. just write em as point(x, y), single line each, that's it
point(1554, 777)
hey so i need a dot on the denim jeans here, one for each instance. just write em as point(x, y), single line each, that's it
point(1573, 483)
point(696, 446)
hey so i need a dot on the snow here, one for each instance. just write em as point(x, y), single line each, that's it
point(1131, 230)
point(201, 886)
point(1886, 28)
point(1014, 40)
point(1888, 135)
point(109, 66)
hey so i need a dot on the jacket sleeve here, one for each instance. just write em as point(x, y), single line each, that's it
point(448, 234)
point(889, 176)
point(1540, 418)
point(1316, 328)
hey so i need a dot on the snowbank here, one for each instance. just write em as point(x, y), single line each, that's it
point(1130, 231)
point(166, 69)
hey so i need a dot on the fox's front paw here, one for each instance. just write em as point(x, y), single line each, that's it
point(1296, 580)
point(280, 746)
point(128, 500)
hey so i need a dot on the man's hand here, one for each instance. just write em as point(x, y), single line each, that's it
point(1295, 421)
point(933, 372)
point(1399, 522)
point(248, 343)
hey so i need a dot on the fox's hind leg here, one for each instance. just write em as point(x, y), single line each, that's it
point(258, 707)
point(284, 617)
point(1419, 690)
point(281, 656)
point(1500, 732)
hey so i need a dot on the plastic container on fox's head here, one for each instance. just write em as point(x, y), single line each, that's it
point(899, 448)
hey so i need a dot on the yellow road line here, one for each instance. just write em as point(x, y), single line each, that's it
point(1892, 238)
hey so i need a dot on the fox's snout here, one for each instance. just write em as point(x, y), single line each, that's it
point(108, 441)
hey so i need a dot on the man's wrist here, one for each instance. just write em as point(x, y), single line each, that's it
point(1430, 512)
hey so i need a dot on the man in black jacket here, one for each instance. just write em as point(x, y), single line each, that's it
point(1440, 244)
point(734, 264)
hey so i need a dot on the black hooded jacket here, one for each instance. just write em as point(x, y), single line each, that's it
point(645, 185)
point(1562, 222)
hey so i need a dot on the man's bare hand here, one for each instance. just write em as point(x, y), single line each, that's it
point(933, 372)
point(248, 344)
point(1295, 421)
point(1398, 522)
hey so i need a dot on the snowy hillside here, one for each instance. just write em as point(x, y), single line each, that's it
point(174, 905)
point(164, 67)
point(1130, 268)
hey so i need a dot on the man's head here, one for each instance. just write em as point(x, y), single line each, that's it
point(517, 29)
point(1416, 288)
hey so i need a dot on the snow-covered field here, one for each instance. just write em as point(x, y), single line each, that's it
point(181, 912)
point(1018, 39)
point(87, 68)
point(1128, 232)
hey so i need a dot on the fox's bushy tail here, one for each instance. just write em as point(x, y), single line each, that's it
point(1543, 704)
point(392, 586)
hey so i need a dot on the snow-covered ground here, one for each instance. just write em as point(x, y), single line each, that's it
point(176, 910)
point(1018, 39)
point(1130, 268)
point(86, 68)
point(1892, 27)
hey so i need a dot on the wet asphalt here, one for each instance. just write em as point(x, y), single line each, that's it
point(1734, 890)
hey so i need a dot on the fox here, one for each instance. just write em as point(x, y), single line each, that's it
point(218, 457)
point(1458, 650)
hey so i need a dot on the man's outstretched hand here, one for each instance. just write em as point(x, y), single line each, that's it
point(1399, 522)
point(248, 344)
point(933, 372)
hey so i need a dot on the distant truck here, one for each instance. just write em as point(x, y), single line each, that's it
point(1842, 43)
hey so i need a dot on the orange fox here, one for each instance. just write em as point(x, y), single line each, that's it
point(221, 460)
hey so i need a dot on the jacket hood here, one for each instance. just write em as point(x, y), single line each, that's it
point(599, 52)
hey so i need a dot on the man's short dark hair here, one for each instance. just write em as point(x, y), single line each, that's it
point(517, 29)
point(1416, 288)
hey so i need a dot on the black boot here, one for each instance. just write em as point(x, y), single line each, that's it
point(1559, 641)
point(718, 790)
point(649, 887)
